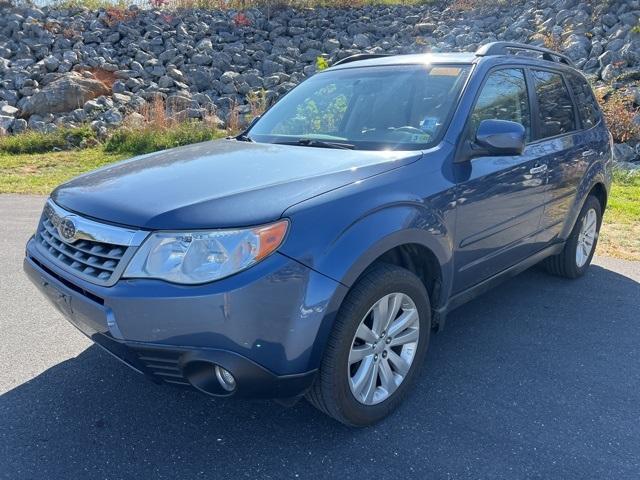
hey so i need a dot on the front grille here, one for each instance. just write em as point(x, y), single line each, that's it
point(96, 252)
point(91, 259)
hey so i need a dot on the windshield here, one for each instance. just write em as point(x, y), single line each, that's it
point(374, 108)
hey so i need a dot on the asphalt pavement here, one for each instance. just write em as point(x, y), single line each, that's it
point(539, 378)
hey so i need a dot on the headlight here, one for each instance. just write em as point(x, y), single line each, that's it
point(204, 256)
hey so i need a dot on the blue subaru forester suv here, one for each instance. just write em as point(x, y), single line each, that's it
point(314, 254)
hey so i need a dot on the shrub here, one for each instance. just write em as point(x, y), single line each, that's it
point(467, 5)
point(147, 139)
point(117, 14)
point(257, 100)
point(321, 63)
point(552, 42)
point(37, 142)
point(619, 115)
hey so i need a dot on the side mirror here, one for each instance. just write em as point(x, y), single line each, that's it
point(500, 137)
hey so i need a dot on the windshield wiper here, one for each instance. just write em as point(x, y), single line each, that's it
point(312, 142)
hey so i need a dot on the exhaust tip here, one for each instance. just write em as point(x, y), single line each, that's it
point(210, 378)
point(225, 378)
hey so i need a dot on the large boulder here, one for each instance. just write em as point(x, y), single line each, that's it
point(71, 91)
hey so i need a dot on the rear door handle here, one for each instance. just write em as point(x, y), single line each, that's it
point(539, 169)
point(589, 153)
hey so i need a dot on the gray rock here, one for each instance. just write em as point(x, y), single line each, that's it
point(229, 77)
point(201, 59)
point(330, 45)
point(113, 38)
point(8, 110)
point(178, 103)
point(112, 117)
point(165, 82)
point(92, 106)
point(51, 63)
point(610, 73)
point(623, 152)
point(609, 19)
point(79, 115)
point(19, 125)
point(270, 67)
point(6, 122)
point(64, 95)
point(119, 87)
point(577, 46)
point(38, 126)
point(70, 56)
point(631, 52)
point(361, 41)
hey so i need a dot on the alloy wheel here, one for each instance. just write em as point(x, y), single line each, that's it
point(383, 348)
point(586, 237)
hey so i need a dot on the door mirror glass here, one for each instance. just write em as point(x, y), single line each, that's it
point(500, 137)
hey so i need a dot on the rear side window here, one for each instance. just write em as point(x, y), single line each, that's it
point(585, 101)
point(503, 97)
point(556, 115)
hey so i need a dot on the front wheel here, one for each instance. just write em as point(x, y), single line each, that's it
point(376, 348)
point(575, 258)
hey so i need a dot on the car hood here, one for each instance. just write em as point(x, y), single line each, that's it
point(224, 183)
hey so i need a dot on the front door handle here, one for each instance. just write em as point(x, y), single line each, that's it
point(589, 153)
point(538, 169)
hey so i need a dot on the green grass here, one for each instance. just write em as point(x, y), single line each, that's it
point(620, 234)
point(149, 140)
point(42, 172)
point(36, 142)
point(33, 163)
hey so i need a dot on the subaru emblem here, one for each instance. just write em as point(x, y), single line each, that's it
point(67, 229)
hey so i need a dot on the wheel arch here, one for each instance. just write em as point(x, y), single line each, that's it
point(419, 260)
point(596, 182)
point(600, 192)
point(413, 249)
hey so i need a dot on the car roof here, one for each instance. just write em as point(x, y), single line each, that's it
point(410, 59)
point(494, 52)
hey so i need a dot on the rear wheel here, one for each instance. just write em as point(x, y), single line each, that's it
point(376, 347)
point(575, 258)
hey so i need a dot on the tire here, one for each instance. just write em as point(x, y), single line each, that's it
point(337, 383)
point(570, 263)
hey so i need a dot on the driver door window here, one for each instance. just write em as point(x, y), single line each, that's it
point(503, 97)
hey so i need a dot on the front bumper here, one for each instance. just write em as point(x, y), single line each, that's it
point(266, 325)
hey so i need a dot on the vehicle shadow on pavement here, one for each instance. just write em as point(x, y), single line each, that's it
point(537, 378)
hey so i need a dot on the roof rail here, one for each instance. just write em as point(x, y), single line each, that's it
point(503, 48)
point(359, 56)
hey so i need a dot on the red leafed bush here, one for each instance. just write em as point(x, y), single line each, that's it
point(241, 20)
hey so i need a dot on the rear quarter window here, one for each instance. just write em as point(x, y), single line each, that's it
point(585, 100)
point(556, 115)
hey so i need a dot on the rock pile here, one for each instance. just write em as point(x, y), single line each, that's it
point(67, 67)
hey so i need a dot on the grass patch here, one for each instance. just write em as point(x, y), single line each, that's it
point(137, 141)
point(41, 173)
point(620, 233)
point(36, 142)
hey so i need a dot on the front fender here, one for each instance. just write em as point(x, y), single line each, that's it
point(378, 232)
point(341, 233)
